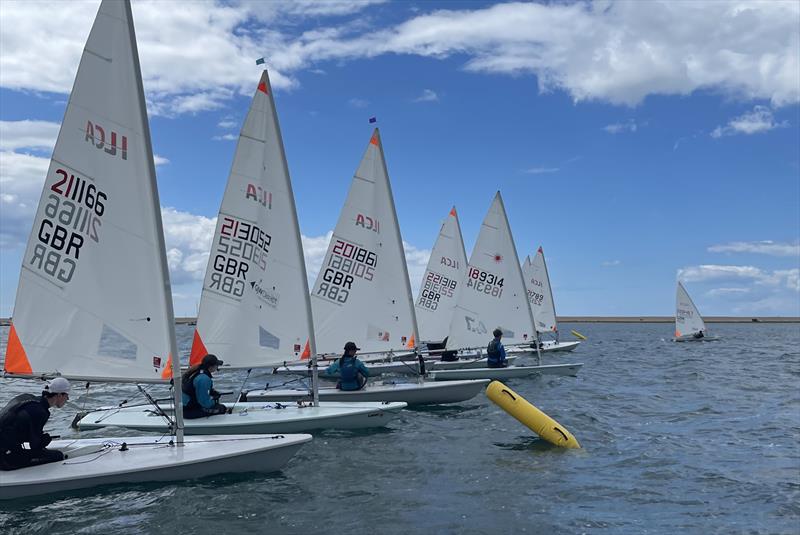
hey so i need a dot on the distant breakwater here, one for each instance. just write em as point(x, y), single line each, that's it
point(599, 319)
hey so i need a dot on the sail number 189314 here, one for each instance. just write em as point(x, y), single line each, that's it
point(485, 282)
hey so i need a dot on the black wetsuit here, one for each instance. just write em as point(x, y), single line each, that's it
point(23, 420)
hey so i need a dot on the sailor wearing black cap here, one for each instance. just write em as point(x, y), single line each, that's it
point(199, 397)
point(353, 373)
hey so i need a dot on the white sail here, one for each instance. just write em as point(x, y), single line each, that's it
point(442, 282)
point(540, 295)
point(362, 292)
point(494, 293)
point(687, 317)
point(94, 300)
point(255, 308)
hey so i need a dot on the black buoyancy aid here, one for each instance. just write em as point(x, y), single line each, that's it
point(348, 370)
point(9, 412)
point(187, 387)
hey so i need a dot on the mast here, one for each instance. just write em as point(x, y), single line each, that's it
point(312, 341)
point(409, 297)
point(550, 289)
point(151, 171)
point(519, 272)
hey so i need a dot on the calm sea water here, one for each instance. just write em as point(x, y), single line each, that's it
point(677, 438)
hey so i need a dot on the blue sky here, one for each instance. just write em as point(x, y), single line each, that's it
point(637, 142)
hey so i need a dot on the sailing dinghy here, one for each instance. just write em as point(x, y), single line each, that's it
point(689, 324)
point(363, 293)
point(494, 296)
point(255, 309)
point(95, 269)
point(540, 296)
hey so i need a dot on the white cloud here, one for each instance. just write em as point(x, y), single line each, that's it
point(417, 261)
point(159, 160)
point(785, 278)
point(758, 121)
point(767, 247)
point(428, 95)
point(755, 290)
point(618, 128)
point(226, 137)
point(28, 135)
point(188, 239)
point(227, 123)
point(314, 249)
point(21, 180)
point(358, 102)
point(199, 56)
point(610, 263)
point(540, 170)
point(728, 292)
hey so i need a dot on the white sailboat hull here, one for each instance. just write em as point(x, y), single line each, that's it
point(505, 373)
point(99, 461)
point(248, 418)
point(411, 393)
point(693, 339)
point(375, 369)
point(547, 347)
point(464, 362)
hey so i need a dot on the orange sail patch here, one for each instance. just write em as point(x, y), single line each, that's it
point(306, 352)
point(263, 87)
point(16, 359)
point(166, 373)
point(198, 350)
point(411, 342)
point(453, 211)
point(374, 139)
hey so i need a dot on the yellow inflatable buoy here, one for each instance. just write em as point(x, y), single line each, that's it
point(530, 416)
point(578, 335)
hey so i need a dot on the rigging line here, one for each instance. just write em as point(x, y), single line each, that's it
point(159, 410)
point(239, 393)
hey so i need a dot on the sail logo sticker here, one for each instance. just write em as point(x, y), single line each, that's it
point(270, 297)
point(368, 223)
point(260, 195)
point(449, 262)
point(96, 135)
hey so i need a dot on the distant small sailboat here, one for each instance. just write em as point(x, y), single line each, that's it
point(254, 309)
point(689, 324)
point(95, 269)
point(540, 296)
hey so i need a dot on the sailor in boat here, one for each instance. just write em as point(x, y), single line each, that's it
point(353, 373)
point(22, 420)
point(448, 356)
point(199, 397)
point(495, 351)
point(699, 334)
